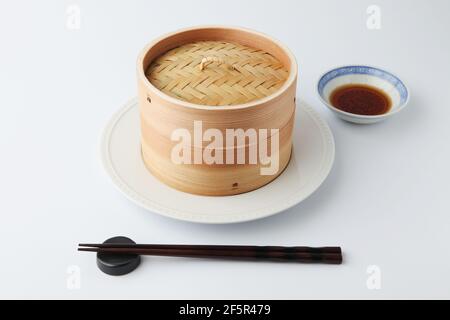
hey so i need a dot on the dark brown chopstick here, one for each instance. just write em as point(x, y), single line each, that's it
point(336, 250)
point(327, 255)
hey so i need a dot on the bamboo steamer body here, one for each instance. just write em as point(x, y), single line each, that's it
point(162, 114)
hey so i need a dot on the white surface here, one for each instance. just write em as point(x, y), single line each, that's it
point(385, 202)
point(311, 162)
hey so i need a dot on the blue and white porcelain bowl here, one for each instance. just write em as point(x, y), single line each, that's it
point(378, 78)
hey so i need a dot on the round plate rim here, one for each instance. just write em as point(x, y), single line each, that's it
point(293, 200)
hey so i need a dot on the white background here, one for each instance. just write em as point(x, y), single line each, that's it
point(386, 201)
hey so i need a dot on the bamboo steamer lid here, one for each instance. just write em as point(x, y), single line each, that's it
point(217, 73)
point(227, 78)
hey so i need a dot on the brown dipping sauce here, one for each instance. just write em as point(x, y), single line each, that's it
point(361, 99)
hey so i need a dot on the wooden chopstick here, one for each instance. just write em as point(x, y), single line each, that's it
point(336, 250)
point(240, 252)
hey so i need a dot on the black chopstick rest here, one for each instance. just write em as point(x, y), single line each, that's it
point(118, 264)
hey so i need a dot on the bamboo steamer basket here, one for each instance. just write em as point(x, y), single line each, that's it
point(227, 78)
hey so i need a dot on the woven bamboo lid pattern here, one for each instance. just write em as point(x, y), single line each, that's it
point(217, 73)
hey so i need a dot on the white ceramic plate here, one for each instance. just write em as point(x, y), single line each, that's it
point(311, 162)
